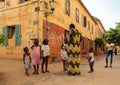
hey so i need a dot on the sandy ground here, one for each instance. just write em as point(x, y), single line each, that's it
point(12, 73)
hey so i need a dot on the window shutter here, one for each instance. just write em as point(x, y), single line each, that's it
point(22, 1)
point(17, 35)
point(85, 21)
point(82, 20)
point(5, 32)
point(67, 7)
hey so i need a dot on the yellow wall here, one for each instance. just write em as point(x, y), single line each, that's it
point(59, 17)
point(24, 14)
point(100, 31)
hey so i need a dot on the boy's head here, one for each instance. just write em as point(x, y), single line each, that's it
point(45, 41)
point(109, 41)
point(91, 50)
point(25, 49)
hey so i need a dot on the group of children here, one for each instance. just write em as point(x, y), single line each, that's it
point(38, 53)
point(43, 52)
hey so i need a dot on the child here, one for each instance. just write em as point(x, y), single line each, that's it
point(45, 55)
point(26, 60)
point(36, 56)
point(64, 56)
point(91, 60)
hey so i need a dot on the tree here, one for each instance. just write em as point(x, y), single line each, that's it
point(114, 34)
point(2, 38)
point(99, 42)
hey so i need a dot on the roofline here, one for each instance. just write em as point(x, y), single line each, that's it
point(102, 24)
point(87, 10)
point(99, 21)
point(91, 15)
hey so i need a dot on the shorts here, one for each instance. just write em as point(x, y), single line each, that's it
point(91, 63)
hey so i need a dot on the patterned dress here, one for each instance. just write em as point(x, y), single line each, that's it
point(74, 54)
point(36, 55)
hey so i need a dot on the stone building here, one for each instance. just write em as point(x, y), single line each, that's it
point(22, 21)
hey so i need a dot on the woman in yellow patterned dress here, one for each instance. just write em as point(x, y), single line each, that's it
point(74, 51)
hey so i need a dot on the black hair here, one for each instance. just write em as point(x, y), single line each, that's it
point(36, 42)
point(71, 26)
point(25, 49)
point(65, 41)
point(62, 46)
point(91, 49)
point(45, 41)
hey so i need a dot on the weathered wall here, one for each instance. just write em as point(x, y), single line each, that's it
point(25, 15)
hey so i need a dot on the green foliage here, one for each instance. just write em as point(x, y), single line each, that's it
point(114, 34)
point(99, 42)
point(2, 38)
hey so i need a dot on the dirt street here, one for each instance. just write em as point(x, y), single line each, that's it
point(12, 73)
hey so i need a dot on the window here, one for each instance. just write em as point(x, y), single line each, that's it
point(67, 7)
point(100, 33)
point(12, 32)
point(2, 3)
point(88, 25)
point(77, 15)
point(83, 43)
point(84, 21)
point(22, 1)
point(92, 29)
point(103, 36)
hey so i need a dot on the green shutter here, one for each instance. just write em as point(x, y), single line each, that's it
point(85, 20)
point(17, 34)
point(5, 32)
point(82, 20)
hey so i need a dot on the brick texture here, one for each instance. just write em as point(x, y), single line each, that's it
point(56, 38)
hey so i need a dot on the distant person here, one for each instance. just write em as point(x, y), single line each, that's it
point(109, 49)
point(91, 60)
point(64, 56)
point(115, 51)
point(26, 60)
point(73, 51)
point(36, 55)
point(45, 55)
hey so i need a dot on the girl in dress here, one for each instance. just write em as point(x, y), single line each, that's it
point(26, 60)
point(64, 57)
point(36, 56)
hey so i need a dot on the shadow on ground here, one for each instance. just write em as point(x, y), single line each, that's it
point(2, 78)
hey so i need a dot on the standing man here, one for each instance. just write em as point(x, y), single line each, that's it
point(109, 48)
point(73, 51)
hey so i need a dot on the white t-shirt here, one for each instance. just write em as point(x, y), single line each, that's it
point(92, 57)
point(65, 46)
point(46, 50)
point(110, 46)
point(63, 54)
